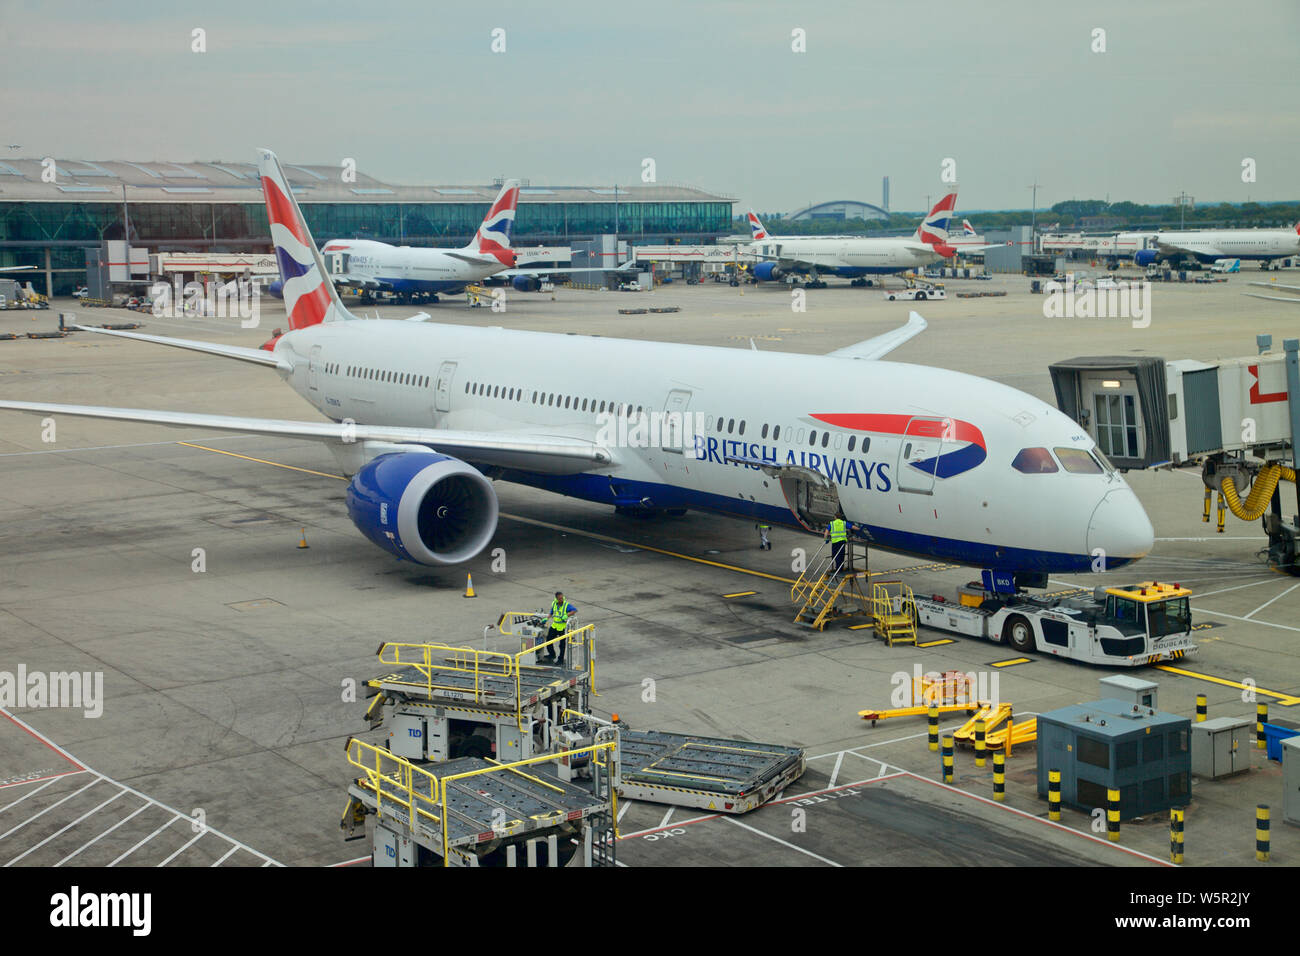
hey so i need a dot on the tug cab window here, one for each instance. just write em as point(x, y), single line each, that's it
point(1078, 462)
point(1034, 461)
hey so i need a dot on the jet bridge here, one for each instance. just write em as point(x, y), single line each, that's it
point(1237, 418)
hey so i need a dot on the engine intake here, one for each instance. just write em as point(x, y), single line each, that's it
point(768, 272)
point(423, 507)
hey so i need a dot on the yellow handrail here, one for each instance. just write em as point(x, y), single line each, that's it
point(593, 749)
point(403, 775)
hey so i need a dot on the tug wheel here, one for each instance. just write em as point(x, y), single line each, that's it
point(1020, 634)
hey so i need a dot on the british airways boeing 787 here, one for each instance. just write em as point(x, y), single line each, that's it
point(424, 417)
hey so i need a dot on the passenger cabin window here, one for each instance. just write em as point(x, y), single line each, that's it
point(1034, 461)
point(1077, 461)
point(852, 441)
point(776, 432)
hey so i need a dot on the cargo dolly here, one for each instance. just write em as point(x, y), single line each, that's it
point(729, 776)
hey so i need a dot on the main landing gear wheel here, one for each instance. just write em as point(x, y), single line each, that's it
point(1020, 634)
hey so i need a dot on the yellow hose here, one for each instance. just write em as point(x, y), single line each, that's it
point(1260, 492)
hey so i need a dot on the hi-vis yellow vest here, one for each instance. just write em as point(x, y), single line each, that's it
point(559, 615)
point(839, 531)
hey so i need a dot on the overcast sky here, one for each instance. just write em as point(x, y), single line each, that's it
point(1011, 90)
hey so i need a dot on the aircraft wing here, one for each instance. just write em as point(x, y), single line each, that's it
point(552, 454)
point(1274, 298)
point(357, 282)
point(256, 356)
point(473, 260)
point(882, 345)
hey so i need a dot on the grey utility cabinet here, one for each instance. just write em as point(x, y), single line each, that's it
point(1221, 747)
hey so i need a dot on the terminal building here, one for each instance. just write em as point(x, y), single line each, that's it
point(60, 217)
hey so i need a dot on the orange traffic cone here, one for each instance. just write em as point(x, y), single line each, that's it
point(469, 586)
point(302, 543)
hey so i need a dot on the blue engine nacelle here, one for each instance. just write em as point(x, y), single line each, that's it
point(423, 507)
point(1144, 257)
point(767, 272)
point(276, 288)
point(526, 283)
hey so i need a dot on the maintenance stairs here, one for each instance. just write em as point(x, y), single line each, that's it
point(825, 593)
point(893, 608)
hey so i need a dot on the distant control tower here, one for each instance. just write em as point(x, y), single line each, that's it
point(884, 194)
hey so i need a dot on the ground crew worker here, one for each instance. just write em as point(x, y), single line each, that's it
point(837, 532)
point(763, 543)
point(559, 626)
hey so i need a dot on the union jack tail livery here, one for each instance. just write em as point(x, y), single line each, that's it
point(933, 230)
point(967, 229)
point(493, 237)
point(756, 227)
point(309, 297)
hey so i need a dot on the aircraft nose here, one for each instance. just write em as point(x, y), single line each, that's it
point(1120, 528)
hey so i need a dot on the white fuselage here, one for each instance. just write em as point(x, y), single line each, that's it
point(1208, 245)
point(985, 514)
point(846, 255)
point(407, 269)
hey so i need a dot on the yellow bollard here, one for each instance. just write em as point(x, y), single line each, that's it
point(999, 776)
point(1201, 708)
point(1175, 835)
point(980, 745)
point(1261, 718)
point(1261, 832)
point(1054, 795)
point(1112, 816)
point(947, 758)
point(934, 727)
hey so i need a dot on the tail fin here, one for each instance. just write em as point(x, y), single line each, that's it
point(309, 296)
point(967, 229)
point(934, 227)
point(756, 227)
point(493, 236)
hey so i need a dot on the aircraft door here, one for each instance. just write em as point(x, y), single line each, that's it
point(919, 449)
point(442, 390)
point(812, 497)
point(313, 368)
point(673, 433)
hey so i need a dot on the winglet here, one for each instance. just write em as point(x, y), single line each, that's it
point(882, 345)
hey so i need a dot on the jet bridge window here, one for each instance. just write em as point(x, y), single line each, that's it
point(1078, 462)
point(1034, 461)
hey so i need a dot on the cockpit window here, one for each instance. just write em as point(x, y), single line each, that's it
point(1034, 461)
point(1078, 462)
point(1103, 460)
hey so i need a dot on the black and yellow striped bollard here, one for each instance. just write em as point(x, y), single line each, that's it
point(999, 776)
point(947, 758)
point(1175, 835)
point(934, 728)
point(980, 745)
point(1112, 816)
point(1261, 718)
point(1261, 832)
point(1054, 795)
point(1201, 708)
